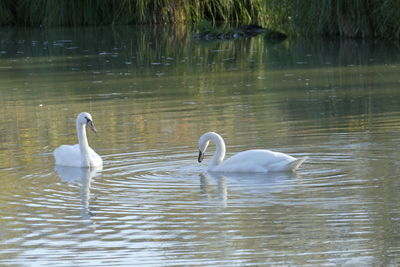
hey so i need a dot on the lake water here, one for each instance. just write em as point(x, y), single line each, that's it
point(152, 92)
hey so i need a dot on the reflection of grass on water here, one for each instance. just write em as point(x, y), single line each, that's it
point(146, 51)
point(169, 52)
point(127, 48)
point(151, 47)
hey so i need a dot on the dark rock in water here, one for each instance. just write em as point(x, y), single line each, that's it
point(251, 29)
point(243, 31)
point(275, 37)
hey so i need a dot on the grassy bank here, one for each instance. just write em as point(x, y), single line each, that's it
point(107, 12)
point(356, 18)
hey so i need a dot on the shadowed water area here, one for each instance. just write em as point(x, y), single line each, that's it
point(152, 92)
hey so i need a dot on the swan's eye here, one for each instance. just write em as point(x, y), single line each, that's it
point(87, 120)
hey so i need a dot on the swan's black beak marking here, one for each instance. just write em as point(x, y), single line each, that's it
point(201, 156)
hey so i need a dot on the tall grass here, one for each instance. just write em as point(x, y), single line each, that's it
point(355, 18)
point(106, 12)
point(6, 15)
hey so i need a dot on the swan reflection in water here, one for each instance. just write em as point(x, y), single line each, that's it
point(83, 176)
point(258, 185)
point(222, 189)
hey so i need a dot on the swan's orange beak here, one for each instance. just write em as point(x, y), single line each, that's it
point(91, 126)
point(201, 156)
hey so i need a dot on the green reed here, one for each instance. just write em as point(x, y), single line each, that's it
point(6, 16)
point(106, 12)
point(355, 18)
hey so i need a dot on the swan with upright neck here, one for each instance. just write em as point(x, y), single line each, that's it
point(81, 154)
point(256, 160)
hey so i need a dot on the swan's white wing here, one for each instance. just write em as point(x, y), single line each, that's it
point(67, 155)
point(257, 160)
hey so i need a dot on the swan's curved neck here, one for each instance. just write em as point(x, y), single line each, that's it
point(220, 150)
point(83, 144)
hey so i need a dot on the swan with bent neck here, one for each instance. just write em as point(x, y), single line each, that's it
point(249, 161)
point(79, 155)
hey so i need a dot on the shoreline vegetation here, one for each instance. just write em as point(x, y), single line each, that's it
point(373, 19)
point(209, 33)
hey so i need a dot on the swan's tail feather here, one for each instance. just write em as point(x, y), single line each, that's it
point(294, 165)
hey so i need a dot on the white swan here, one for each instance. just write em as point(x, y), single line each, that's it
point(79, 155)
point(257, 160)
